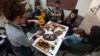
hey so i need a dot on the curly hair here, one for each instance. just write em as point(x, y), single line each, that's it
point(12, 9)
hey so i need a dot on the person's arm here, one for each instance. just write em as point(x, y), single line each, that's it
point(53, 14)
point(23, 40)
point(58, 15)
point(38, 32)
point(35, 21)
point(67, 37)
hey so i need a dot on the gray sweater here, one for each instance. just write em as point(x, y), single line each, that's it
point(16, 36)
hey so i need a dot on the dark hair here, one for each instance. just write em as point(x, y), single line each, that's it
point(95, 36)
point(38, 11)
point(12, 9)
point(75, 11)
point(80, 31)
point(95, 33)
point(57, 2)
point(37, 5)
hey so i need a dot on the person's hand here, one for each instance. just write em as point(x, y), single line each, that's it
point(53, 14)
point(38, 32)
point(59, 21)
point(36, 21)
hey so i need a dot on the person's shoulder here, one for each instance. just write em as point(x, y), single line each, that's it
point(10, 27)
point(12, 31)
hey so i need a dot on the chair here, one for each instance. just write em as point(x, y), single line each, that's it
point(79, 49)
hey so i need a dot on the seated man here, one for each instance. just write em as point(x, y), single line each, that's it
point(38, 15)
point(56, 12)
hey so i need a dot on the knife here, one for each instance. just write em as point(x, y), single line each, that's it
point(50, 53)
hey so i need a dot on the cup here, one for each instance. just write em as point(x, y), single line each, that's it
point(52, 47)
